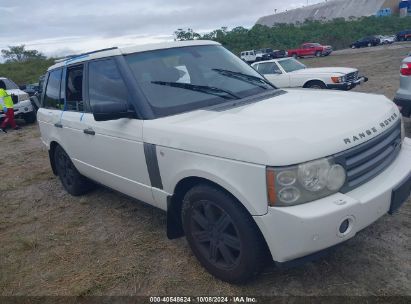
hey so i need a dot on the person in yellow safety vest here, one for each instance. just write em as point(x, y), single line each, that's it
point(6, 105)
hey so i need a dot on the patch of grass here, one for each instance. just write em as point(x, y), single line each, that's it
point(27, 244)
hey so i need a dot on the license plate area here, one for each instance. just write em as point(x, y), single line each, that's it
point(400, 195)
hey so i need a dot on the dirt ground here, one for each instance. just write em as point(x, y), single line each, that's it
point(106, 244)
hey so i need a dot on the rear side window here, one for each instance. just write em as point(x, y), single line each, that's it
point(74, 89)
point(106, 83)
point(52, 95)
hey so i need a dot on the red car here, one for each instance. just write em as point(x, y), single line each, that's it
point(311, 49)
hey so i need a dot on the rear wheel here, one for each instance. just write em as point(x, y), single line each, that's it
point(74, 183)
point(222, 234)
point(316, 85)
point(295, 56)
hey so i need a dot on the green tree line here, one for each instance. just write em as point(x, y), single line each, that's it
point(26, 66)
point(23, 66)
point(339, 33)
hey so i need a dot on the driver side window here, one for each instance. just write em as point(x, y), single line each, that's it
point(269, 68)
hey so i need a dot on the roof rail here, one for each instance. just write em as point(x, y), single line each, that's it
point(71, 57)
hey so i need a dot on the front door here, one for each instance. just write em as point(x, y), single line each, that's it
point(113, 151)
point(274, 74)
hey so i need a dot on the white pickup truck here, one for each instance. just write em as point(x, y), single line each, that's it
point(23, 107)
point(290, 73)
point(245, 171)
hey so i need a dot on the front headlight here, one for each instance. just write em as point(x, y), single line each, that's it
point(293, 185)
point(340, 79)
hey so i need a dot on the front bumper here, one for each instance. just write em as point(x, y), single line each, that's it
point(298, 231)
point(346, 86)
point(20, 109)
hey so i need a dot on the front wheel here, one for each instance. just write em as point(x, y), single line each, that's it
point(317, 54)
point(74, 183)
point(316, 85)
point(222, 234)
point(369, 44)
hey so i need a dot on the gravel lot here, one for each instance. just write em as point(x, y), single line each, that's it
point(107, 244)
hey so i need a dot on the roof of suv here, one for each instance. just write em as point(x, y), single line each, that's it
point(128, 50)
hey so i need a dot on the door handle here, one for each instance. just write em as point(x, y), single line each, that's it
point(58, 125)
point(89, 131)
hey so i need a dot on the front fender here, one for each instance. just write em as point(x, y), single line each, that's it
point(245, 181)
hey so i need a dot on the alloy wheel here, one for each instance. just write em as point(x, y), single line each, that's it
point(215, 234)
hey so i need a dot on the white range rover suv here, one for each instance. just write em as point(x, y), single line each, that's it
point(244, 170)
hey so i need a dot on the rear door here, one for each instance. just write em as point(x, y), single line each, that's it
point(49, 115)
point(113, 151)
point(75, 108)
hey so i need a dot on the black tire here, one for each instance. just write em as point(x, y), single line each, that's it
point(74, 183)
point(222, 234)
point(30, 117)
point(369, 44)
point(295, 56)
point(317, 54)
point(315, 85)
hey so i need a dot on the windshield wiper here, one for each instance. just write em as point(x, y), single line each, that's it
point(226, 94)
point(261, 82)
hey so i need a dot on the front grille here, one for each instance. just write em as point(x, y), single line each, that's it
point(352, 76)
point(366, 161)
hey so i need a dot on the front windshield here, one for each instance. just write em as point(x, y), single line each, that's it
point(291, 65)
point(10, 85)
point(183, 79)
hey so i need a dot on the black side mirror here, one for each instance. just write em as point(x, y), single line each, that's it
point(111, 110)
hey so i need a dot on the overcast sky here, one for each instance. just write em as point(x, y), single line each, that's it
point(65, 27)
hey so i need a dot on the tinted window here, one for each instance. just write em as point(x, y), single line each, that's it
point(105, 83)
point(51, 98)
point(74, 89)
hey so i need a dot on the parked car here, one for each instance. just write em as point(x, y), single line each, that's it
point(366, 42)
point(290, 73)
point(262, 54)
point(248, 56)
point(245, 171)
point(22, 105)
point(404, 35)
point(271, 54)
point(311, 49)
point(403, 95)
point(31, 89)
point(387, 39)
point(36, 98)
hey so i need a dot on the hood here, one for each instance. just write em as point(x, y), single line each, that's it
point(317, 71)
point(21, 94)
point(292, 128)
